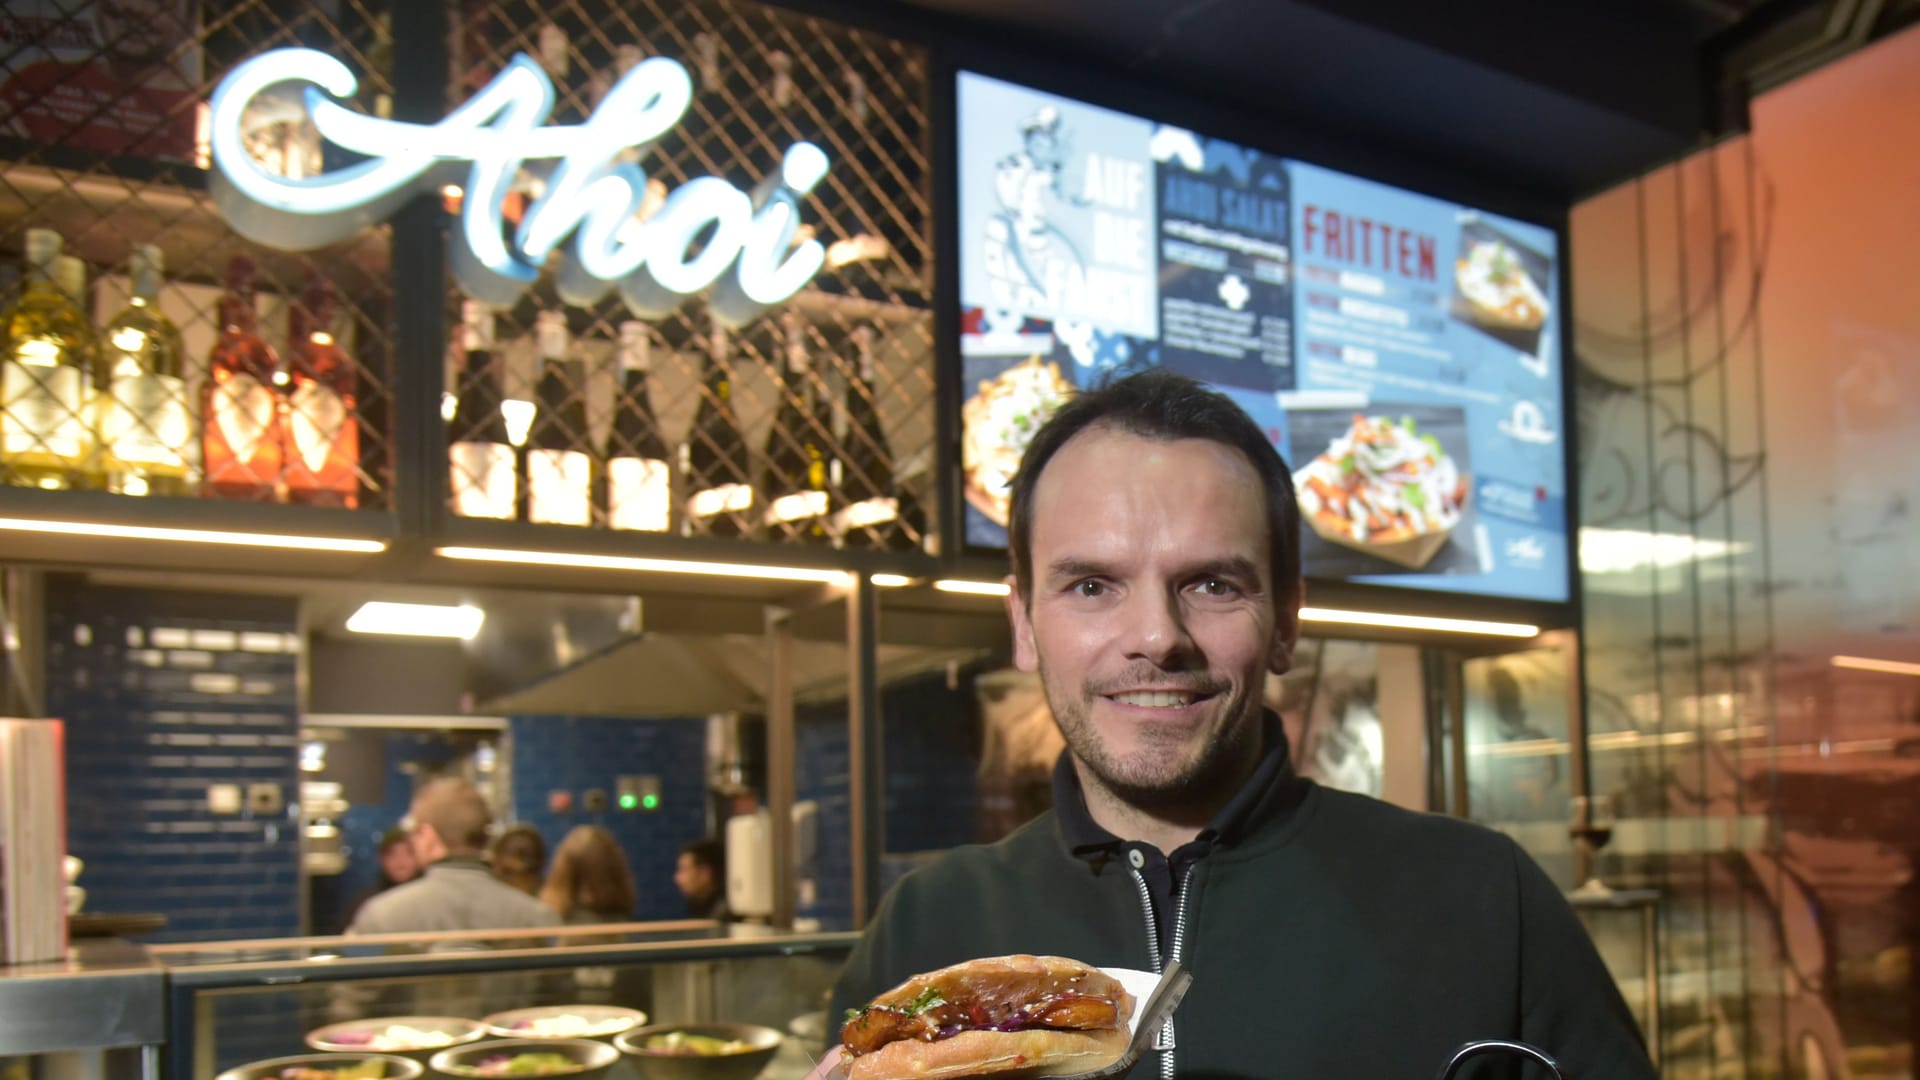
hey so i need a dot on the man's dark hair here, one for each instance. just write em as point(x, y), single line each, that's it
point(710, 854)
point(1160, 405)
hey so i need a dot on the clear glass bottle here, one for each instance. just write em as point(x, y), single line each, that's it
point(794, 485)
point(639, 478)
point(46, 437)
point(482, 480)
point(147, 442)
point(559, 460)
point(715, 456)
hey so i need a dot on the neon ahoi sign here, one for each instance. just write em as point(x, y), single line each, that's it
point(749, 257)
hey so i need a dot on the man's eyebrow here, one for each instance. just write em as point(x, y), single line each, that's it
point(1238, 567)
point(1075, 567)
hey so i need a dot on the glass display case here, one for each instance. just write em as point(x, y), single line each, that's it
point(234, 1003)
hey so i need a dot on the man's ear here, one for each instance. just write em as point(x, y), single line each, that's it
point(1286, 630)
point(1026, 656)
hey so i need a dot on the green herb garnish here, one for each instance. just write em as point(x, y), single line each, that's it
point(928, 999)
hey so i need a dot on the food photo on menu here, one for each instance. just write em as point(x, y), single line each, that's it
point(1384, 487)
point(1500, 285)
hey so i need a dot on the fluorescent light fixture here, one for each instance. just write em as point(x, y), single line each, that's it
point(972, 588)
point(1620, 551)
point(417, 620)
point(1418, 622)
point(193, 536)
point(1884, 667)
point(656, 566)
point(890, 581)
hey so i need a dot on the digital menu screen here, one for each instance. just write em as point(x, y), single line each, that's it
point(1402, 352)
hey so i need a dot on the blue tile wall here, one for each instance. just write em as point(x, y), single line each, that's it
point(165, 693)
point(576, 753)
point(932, 743)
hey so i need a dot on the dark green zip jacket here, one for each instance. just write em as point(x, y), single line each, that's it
point(1330, 936)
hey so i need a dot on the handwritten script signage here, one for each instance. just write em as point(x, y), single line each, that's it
point(591, 195)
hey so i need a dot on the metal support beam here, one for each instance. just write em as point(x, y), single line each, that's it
point(780, 763)
point(23, 639)
point(866, 756)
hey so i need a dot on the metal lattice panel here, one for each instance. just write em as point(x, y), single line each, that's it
point(763, 80)
point(98, 133)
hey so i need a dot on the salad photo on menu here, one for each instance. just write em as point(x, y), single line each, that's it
point(1384, 488)
point(998, 421)
point(1500, 286)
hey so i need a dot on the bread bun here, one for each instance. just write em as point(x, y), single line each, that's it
point(902, 1033)
point(1034, 1052)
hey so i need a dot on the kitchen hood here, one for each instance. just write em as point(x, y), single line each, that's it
point(697, 675)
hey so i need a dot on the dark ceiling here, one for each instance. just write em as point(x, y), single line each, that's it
point(1558, 99)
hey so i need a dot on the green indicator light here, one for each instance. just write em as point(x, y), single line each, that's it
point(650, 802)
point(627, 802)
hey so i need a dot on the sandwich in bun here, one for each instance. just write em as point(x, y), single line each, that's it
point(1003, 1016)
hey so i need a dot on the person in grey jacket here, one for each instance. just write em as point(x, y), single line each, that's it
point(457, 891)
point(1156, 583)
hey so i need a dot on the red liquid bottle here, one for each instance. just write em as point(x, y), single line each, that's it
point(323, 428)
point(241, 434)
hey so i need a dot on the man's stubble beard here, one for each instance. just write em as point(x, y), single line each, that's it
point(1153, 781)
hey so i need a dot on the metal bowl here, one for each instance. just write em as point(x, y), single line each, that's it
point(519, 1023)
point(591, 1059)
point(763, 1043)
point(459, 1029)
point(397, 1068)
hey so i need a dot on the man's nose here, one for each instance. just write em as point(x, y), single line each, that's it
point(1157, 627)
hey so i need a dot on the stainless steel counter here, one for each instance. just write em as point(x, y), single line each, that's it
point(106, 994)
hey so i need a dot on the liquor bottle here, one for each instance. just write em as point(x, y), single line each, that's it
point(559, 466)
point(866, 479)
point(639, 478)
point(795, 482)
point(45, 375)
point(715, 453)
point(323, 424)
point(70, 274)
point(241, 436)
point(482, 480)
point(147, 442)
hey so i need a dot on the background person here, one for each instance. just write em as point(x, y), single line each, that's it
point(519, 858)
point(700, 873)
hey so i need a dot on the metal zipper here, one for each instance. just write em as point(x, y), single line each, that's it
point(1179, 939)
point(1164, 1042)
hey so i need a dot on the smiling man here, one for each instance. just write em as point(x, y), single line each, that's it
point(1156, 583)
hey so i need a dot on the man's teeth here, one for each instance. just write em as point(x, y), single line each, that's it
point(1157, 699)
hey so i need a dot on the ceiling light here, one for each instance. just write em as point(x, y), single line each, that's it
point(417, 620)
point(1418, 622)
point(890, 581)
point(193, 536)
point(1884, 667)
point(972, 588)
point(656, 566)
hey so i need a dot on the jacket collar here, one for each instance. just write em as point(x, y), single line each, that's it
point(1269, 791)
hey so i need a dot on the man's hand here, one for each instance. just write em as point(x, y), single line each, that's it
point(830, 1066)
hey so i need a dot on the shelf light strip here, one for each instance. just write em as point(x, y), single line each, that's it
point(890, 581)
point(193, 536)
point(1884, 667)
point(657, 566)
point(1418, 622)
point(972, 588)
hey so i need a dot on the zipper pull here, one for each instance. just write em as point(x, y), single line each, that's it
point(1164, 1040)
